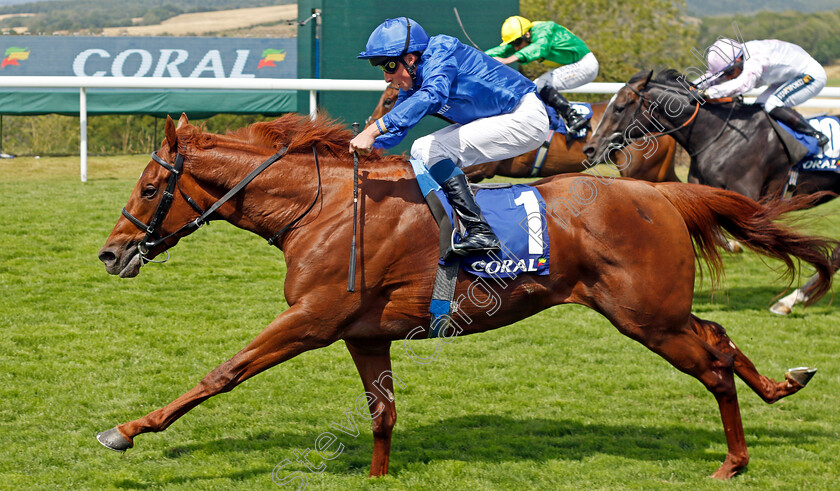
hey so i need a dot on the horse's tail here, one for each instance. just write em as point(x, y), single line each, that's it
point(707, 211)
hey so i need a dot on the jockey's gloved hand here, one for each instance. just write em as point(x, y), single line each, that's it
point(704, 93)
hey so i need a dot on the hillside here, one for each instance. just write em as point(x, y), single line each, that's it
point(216, 23)
point(817, 33)
point(93, 16)
point(704, 8)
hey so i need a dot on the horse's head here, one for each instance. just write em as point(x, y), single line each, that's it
point(153, 219)
point(641, 109)
point(623, 109)
point(386, 103)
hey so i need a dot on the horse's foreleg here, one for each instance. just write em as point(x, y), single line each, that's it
point(373, 360)
point(768, 389)
point(289, 335)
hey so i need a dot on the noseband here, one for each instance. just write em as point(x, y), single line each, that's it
point(690, 120)
point(153, 238)
point(641, 95)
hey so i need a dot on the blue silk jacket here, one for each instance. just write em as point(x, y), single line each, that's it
point(458, 82)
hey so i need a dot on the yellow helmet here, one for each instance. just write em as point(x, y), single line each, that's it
point(514, 28)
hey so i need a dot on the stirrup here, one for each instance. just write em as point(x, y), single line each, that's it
point(576, 125)
point(453, 249)
point(822, 139)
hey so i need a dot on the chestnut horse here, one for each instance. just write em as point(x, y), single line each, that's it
point(732, 146)
point(627, 253)
point(654, 162)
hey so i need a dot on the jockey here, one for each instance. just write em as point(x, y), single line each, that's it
point(496, 111)
point(792, 75)
point(524, 42)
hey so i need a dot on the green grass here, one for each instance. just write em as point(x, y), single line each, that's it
point(558, 401)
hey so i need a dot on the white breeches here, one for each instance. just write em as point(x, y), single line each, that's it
point(487, 139)
point(793, 92)
point(570, 76)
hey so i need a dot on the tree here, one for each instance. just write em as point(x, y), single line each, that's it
point(816, 33)
point(625, 36)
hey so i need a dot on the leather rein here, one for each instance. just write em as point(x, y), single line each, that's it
point(690, 120)
point(641, 95)
point(153, 238)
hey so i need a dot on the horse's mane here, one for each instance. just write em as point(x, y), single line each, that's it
point(297, 131)
point(670, 77)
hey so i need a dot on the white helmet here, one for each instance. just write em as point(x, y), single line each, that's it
point(723, 54)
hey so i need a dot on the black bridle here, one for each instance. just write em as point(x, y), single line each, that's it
point(153, 238)
point(690, 121)
point(642, 100)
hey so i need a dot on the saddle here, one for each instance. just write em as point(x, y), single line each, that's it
point(516, 213)
point(557, 125)
point(826, 158)
point(794, 148)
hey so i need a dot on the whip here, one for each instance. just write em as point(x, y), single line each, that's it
point(351, 275)
point(458, 17)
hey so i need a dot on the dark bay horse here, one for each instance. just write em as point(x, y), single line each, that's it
point(627, 252)
point(653, 163)
point(732, 146)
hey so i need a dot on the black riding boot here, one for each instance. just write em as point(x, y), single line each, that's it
point(790, 117)
point(479, 237)
point(574, 121)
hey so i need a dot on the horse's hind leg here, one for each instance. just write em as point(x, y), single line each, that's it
point(766, 388)
point(801, 295)
point(373, 360)
point(289, 335)
point(688, 352)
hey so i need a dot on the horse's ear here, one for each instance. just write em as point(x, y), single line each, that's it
point(183, 121)
point(640, 79)
point(169, 131)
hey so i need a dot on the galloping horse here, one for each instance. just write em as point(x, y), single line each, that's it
point(732, 146)
point(653, 163)
point(627, 253)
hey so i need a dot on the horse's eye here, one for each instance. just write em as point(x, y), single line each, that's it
point(149, 192)
point(618, 108)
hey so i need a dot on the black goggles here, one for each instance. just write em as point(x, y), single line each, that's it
point(737, 64)
point(387, 64)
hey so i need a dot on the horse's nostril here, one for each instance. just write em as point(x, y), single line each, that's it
point(589, 151)
point(107, 257)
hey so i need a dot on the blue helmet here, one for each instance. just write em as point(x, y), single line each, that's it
point(395, 37)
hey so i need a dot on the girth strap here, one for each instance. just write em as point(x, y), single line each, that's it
point(542, 152)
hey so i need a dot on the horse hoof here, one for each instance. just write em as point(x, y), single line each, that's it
point(801, 375)
point(114, 440)
point(734, 246)
point(780, 309)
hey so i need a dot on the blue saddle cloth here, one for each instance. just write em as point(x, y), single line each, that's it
point(556, 123)
point(826, 158)
point(517, 216)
